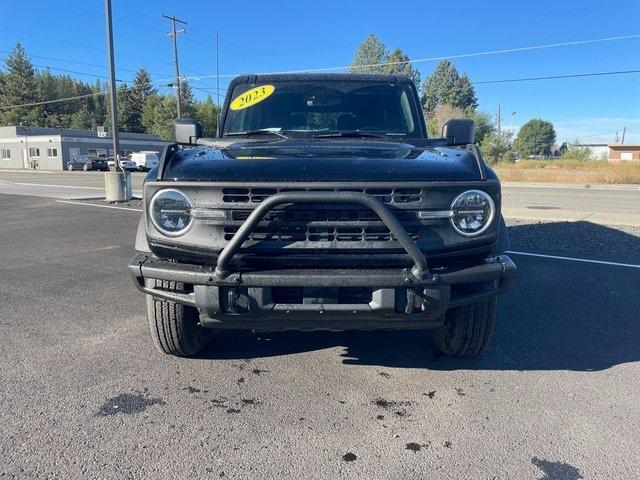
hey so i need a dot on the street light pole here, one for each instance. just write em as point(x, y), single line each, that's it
point(112, 85)
point(117, 185)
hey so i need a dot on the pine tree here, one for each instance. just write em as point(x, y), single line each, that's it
point(446, 86)
point(398, 63)
point(140, 91)
point(158, 113)
point(188, 102)
point(127, 119)
point(81, 119)
point(369, 56)
point(19, 87)
point(48, 90)
point(98, 108)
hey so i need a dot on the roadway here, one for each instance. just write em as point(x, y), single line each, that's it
point(86, 395)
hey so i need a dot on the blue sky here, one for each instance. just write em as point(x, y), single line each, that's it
point(294, 35)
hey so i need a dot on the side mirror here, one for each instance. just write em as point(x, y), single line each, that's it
point(186, 131)
point(458, 131)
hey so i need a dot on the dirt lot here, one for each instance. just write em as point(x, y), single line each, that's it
point(569, 172)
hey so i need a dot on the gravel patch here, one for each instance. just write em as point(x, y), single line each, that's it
point(133, 203)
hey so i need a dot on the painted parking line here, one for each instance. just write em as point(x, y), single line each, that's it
point(573, 259)
point(58, 186)
point(85, 204)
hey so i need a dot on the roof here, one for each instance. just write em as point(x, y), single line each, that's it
point(624, 145)
point(322, 77)
point(15, 131)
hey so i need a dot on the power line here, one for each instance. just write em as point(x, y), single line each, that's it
point(461, 55)
point(46, 102)
point(77, 45)
point(77, 97)
point(554, 77)
point(204, 90)
point(75, 72)
point(75, 62)
point(597, 135)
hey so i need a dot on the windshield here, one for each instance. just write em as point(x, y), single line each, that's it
point(313, 108)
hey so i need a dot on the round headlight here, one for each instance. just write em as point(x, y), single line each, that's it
point(472, 213)
point(170, 212)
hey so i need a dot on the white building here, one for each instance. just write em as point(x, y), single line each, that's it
point(52, 148)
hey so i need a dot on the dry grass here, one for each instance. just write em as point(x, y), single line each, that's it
point(569, 171)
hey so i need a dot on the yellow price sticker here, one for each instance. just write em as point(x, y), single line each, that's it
point(251, 97)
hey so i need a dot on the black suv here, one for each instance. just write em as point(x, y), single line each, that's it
point(88, 162)
point(322, 204)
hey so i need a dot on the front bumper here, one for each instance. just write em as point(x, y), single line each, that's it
point(398, 300)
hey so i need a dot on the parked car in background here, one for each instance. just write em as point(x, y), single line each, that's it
point(87, 162)
point(124, 163)
point(145, 160)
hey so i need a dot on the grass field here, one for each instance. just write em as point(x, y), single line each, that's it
point(569, 171)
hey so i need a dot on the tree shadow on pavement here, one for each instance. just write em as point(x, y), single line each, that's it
point(559, 315)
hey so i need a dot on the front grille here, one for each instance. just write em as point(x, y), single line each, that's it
point(293, 233)
point(385, 195)
point(319, 223)
point(322, 214)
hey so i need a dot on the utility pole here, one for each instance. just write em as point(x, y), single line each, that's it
point(217, 72)
point(174, 34)
point(624, 132)
point(499, 120)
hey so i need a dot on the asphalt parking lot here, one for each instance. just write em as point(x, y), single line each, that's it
point(84, 394)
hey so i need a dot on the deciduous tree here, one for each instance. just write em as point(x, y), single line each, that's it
point(496, 147)
point(207, 114)
point(535, 138)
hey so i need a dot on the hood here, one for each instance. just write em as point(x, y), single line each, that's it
point(322, 161)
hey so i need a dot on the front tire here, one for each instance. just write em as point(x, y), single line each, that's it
point(70, 167)
point(175, 328)
point(467, 330)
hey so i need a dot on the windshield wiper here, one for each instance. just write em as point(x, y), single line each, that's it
point(259, 131)
point(349, 134)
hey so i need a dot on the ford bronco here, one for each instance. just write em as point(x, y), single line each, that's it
point(322, 204)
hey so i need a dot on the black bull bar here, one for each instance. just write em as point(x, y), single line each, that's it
point(207, 280)
point(419, 269)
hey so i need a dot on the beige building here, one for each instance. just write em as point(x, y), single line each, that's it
point(624, 152)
